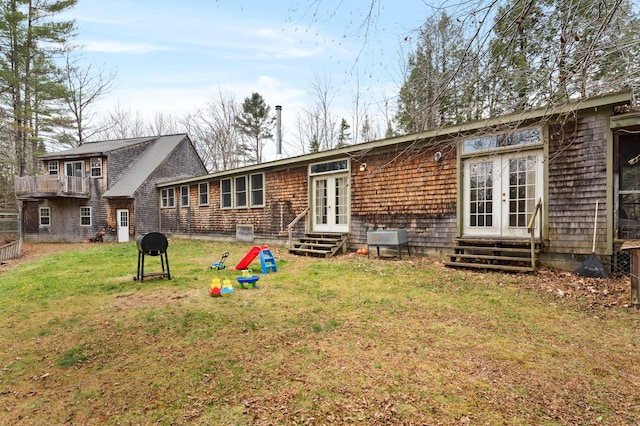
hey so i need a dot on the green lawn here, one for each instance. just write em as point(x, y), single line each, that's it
point(348, 340)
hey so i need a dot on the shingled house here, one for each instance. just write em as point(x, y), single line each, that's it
point(522, 185)
point(103, 186)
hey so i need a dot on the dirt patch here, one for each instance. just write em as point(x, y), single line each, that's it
point(157, 299)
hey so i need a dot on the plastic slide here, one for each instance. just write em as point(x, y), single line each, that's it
point(246, 261)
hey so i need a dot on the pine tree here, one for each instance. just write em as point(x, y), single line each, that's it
point(344, 136)
point(255, 122)
point(29, 40)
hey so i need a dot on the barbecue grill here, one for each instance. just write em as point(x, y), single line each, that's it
point(152, 244)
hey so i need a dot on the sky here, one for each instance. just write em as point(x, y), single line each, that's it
point(171, 57)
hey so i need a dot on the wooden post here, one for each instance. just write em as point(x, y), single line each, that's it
point(634, 256)
point(635, 277)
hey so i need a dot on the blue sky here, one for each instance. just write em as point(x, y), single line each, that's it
point(173, 56)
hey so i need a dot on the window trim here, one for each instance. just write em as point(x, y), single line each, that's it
point(47, 216)
point(92, 168)
point(167, 198)
point(201, 194)
point(84, 216)
point(252, 191)
point(182, 196)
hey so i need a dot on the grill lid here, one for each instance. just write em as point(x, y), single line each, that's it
point(153, 243)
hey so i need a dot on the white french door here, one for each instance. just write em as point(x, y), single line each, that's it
point(500, 193)
point(122, 225)
point(330, 210)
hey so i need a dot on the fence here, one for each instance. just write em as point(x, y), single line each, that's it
point(10, 241)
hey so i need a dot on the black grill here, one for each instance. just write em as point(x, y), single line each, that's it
point(152, 244)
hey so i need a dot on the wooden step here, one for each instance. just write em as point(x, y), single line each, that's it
point(495, 249)
point(319, 244)
point(468, 265)
point(491, 257)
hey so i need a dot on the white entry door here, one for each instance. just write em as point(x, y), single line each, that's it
point(331, 203)
point(500, 193)
point(123, 225)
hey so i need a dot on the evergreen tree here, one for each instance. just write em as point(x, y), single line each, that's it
point(434, 88)
point(314, 145)
point(29, 40)
point(255, 123)
point(344, 136)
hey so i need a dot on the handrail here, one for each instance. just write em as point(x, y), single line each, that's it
point(531, 229)
point(293, 223)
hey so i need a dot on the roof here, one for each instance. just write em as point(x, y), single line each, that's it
point(139, 171)
point(529, 116)
point(96, 148)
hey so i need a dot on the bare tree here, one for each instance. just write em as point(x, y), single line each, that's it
point(214, 132)
point(85, 85)
point(120, 123)
point(165, 124)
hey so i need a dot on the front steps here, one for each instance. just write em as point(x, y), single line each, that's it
point(495, 254)
point(319, 244)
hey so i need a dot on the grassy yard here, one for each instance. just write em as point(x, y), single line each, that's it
point(348, 340)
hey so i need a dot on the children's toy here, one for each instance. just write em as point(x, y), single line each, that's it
point(227, 288)
point(248, 281)
point(220, 265)
point(221, 289)
point(215, 287)
point(267, 261)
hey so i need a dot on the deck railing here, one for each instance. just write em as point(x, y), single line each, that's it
point(537, 212)
point(51, 184)
point(293, 223)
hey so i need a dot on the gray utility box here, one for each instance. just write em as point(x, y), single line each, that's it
point(388, 238)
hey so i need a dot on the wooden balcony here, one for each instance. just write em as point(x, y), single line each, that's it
point(51, 186)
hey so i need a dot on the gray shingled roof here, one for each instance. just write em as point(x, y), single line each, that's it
point(140, 170)
point(96, 148)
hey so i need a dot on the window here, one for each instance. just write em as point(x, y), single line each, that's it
point(184, 196)
point(203, 194)
point(167, 198)
point(520, 137)
point(96, 167)
point(53, 168)
point(257, 190)
point(330, 167)
point(85, 216)
point(241, 191)
point(74, 168)
point(225, 194)
point(45, 216)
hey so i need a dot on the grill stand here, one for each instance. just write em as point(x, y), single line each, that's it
point(141, 276)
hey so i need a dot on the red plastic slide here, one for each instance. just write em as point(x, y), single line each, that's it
point(246, 261)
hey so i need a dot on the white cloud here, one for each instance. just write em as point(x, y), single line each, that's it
point(121, 47)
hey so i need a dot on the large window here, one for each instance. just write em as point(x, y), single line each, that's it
point(167, 198)
point(241, 191)
point(96, 167)
point(203, 194)
point(184, 196)
point(85, 216)
point(226, 198)
point(629, 187)
point(45, 216)
point(257, 190)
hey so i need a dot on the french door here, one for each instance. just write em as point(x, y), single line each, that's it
point(500, 193)
point(330, 203)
